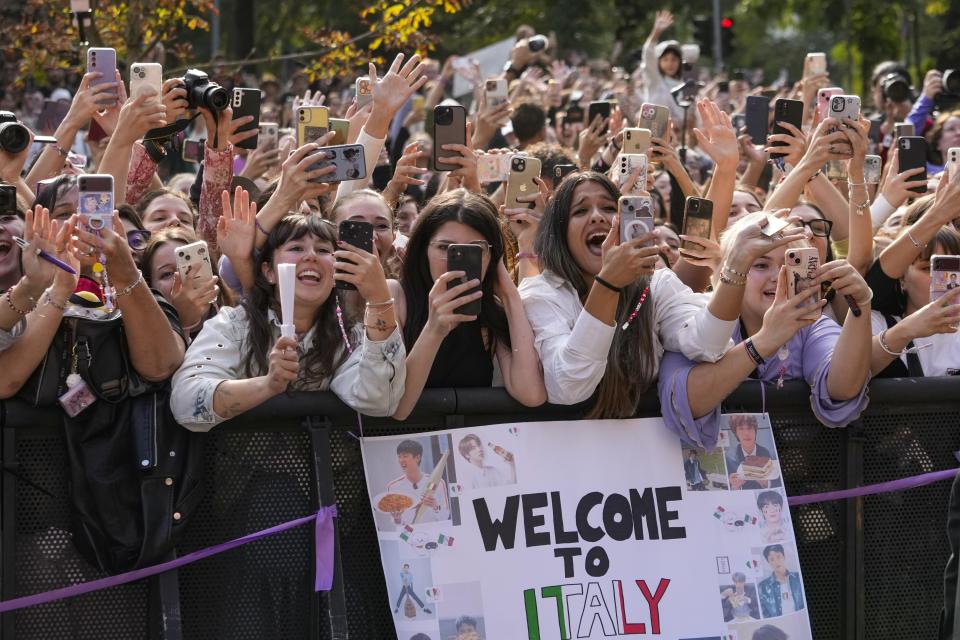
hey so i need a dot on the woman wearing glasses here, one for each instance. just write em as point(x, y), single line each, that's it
point(450, 349)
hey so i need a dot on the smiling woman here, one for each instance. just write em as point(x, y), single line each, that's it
point(239, 360)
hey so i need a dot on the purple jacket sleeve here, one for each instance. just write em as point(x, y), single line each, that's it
point(675, 405)
point(918, 115)
point(818, 344)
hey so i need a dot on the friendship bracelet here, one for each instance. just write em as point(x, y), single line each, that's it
point(606, 284)
point(53, 303)
point(636, 310)
point(728, 280)
point(15, 308)
point(752, 351)
point(260, 227)
point(816, 175)
point(129, 288)
point(914, 240)
point(727, 267)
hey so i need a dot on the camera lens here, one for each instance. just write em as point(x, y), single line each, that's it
point(14, 137)
point(951, 81)
point(216, 98)
point(896, 87)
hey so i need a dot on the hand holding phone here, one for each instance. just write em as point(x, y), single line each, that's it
point(359, 234)
point(469, 259)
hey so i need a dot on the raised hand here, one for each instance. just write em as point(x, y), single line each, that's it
point(405, 173)
point(625, 263)
point(137, 116)
point(717, 137)
point(236, 228)
point(392, 91)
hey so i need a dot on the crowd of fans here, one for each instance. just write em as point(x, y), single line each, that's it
point(569, 311)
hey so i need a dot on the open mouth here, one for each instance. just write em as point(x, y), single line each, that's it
point(595, 243)
point(309, 276)
point(770, 293)
point(5, 248)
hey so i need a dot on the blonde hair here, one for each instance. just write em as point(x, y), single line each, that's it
point(728, 236)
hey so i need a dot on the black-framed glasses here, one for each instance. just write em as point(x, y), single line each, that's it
point(818, 227)
point(138, 238)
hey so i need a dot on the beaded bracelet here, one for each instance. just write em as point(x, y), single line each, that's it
point(725, 279)
point(15, 308)
point(727, 267)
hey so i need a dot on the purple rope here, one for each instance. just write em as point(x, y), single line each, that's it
point(324, 562)
point(871, 489)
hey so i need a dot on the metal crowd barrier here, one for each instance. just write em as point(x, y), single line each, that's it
point(872, 567)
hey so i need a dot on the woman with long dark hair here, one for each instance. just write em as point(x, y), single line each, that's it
point(449, 349)
point(601, 316)
point(239, 360)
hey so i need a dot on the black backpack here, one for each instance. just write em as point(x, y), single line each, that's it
point(135, 475)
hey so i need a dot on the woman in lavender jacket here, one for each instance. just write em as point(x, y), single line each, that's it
point(779, 337)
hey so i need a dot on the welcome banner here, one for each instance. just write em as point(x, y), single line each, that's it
point(586, 529)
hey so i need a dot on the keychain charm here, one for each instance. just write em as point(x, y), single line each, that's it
point(782, 356)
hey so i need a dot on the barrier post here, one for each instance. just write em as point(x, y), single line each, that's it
point(8, 523)
point(852, 613)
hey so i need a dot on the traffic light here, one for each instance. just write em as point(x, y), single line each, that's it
point(726, 37)
point(703, 33)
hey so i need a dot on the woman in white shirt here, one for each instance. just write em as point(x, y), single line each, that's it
point(239, 360)
point(601, 316)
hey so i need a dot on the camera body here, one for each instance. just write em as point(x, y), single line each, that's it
point(895, 86)
point(14, 136)
point(202, 92)
point(537, 43)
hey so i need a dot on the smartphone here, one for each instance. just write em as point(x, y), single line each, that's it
point(600, 108)
point(626, 164)
point(757, 119)
point(953, 161)
point(802, 265)
point(348, 159)
point(636, 140)
point(495, 90)
point(193, 263)
point(359, 234)
point(816, 63)
point(690, 76)
point(574, 114)
point(872, 167)
point(739, 122)
point(364, 91)
point(823, 100)
point(844, 106)
point(836, 169)
point(697, 220)
point(469, 259)
point(246, 102)
point(192, 150)
point(656, 118)
point(902, 129)
point(554, 93)
point(146, 78)
point(95, 200)
point(521, 182)
point(269, 136)
point(636, 217)
point(449, 127)
point(341, 129)
point(494, 167)
point(785, 110)
point(8, 198)
point(104, 61)
point(944, 275)
point(913, 155)
point(312, 124)
point(561, 171)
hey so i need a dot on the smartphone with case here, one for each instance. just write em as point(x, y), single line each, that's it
point(146, 78)
point(561, 171)
point(816, 63)
point(636, 140)
point(843, 107)
point(95, 201)
point(636, 217)
point(494, 167)
point(359, 234)
point(312, 124)
point(449, 127)
point(104, 61)
point(348, 159)
point(341, 129)
point(363, 91)
point(600, 108)
point(785, 110)
point(246, 102)
point(913, 155)
point(836, 170)
point(469, 259)
point(495, 91)
point(627, 163)
point(802, 265)
point(944, 275)
point(656, 118)
point(269, 136)
point(192, 150)
point(902, 129)
point(8, 199)
point(697, 220)
point(193, 263)
point(521, 181)
point(823, 100)
point(757, 119)
point(953, 161)
point(872, 168)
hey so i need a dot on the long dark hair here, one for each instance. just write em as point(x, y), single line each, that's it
point(325, 355)
point(476, 212)
point(631, 367)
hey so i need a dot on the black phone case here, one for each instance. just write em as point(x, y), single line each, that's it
point(248, 105)
point(601, 108)
point(786, 111)
point(757, 118)
point(359, 234)
point(453, 133)
point(705, 213)
point(913, 154)
point(467, 258)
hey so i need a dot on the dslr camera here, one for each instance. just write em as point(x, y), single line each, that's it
point(14, 136)
point(202, 92)
point(949, 97)
point(896, 87)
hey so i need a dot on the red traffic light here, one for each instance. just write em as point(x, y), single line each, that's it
point(727, 23)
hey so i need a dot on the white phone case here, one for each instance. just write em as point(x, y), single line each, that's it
point(193, 262)
point(146, 78)
point(627, 163)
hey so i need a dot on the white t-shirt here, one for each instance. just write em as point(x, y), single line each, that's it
point(487, 476)
point(438, 514)
point(942, 353)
